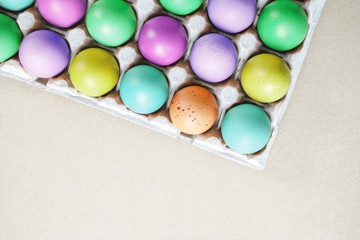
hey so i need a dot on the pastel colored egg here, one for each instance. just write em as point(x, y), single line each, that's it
point(62, 13)
point(16, 5)
point(232, 16)
point(213, 57)
point(246, 128)
point(282, 25)
point(162, 40)
point(44, 53)
point(10, 37)
point(110, 22)
point(266, 78)
point(181, 7)
point(94, 72)
point(193, 110)
point(144, 89)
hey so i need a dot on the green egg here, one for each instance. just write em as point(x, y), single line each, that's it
point(10, 37)
point(246, 128)
point(144, 89)
point(181, 7)
point(282, 25)
point(111, 22)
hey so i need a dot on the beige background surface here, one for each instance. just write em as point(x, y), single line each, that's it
point(68, 171)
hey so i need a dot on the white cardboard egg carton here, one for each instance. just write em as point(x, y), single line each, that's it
point(228, 93)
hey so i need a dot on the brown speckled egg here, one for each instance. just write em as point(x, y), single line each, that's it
point(193, 110)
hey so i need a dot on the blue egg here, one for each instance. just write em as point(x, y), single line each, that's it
point(15, 5)
point(144, 89)
point(246, 128)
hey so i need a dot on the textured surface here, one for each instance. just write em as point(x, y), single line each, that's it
point(228, 93)
point(68, 171)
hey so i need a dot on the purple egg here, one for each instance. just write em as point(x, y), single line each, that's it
point(44, 53)
point(232, 16)
point(162, 40)
point(213, 58)
point(62, 13)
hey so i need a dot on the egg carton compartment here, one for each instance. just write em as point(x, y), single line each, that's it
point(179, 75)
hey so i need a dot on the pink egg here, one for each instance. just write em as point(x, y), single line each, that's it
point(62, 13)
point(162, 40)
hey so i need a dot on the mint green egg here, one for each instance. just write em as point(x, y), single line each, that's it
point(16, 5)
point(144, 89)
point(246, 128)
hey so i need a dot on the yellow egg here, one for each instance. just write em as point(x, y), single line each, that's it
point(265, 78)
point(94, 72)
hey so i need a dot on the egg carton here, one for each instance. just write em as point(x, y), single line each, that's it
point(179, 75)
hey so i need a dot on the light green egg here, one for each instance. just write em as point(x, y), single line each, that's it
point(246, 128)
point(144, 89)
point(16, 5)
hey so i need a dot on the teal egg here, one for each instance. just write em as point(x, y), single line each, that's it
point(144, 89)
point(246, 128)
point(15, 5)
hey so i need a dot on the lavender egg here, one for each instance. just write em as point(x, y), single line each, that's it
point(232, 16)
point(213, 58)
point(162, 40)
point(44, 53)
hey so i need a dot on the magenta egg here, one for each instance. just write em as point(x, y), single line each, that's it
point(232, 16)
point(213, 58)
point(162, 40)
point(62, 13)
point(44, 53)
